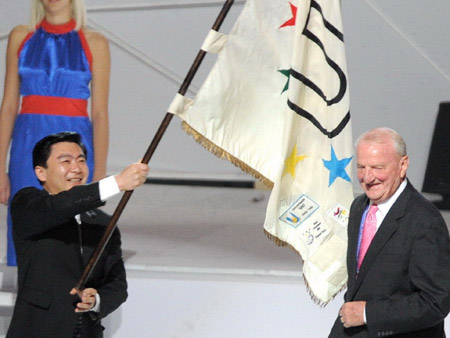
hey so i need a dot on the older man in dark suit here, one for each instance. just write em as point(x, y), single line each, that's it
point(398, 257)
point(55, 232)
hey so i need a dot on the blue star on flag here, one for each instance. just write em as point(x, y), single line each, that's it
point(337, 167)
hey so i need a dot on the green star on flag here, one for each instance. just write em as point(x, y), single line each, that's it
point(285, 72)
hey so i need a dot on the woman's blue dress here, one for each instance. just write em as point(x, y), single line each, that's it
point(55, 72)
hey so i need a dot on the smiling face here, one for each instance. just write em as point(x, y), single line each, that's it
point(66, 168)
point(381, 169)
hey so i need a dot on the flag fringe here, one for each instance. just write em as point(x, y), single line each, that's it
point(221, 153)
point(314, 298)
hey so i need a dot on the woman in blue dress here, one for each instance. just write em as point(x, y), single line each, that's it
point(55, 65)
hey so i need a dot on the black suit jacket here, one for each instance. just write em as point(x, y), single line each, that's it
point(405, 275)
point(52, 251)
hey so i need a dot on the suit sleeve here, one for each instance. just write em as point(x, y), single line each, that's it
point(48, 211)
point(429, 277)
point(113, 289)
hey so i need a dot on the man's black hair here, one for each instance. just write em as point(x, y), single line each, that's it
point(43, 148)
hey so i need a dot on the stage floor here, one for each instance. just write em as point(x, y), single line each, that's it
point(204, 238)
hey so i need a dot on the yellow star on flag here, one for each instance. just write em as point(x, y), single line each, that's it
point(291, 162)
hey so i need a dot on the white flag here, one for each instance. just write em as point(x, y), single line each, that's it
point(276, 103)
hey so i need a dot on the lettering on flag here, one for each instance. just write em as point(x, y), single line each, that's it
point(301, 210)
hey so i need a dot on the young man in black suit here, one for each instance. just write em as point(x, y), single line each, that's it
point(55, 232)
point(401, 286)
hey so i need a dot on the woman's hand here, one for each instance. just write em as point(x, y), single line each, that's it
point(5, 189)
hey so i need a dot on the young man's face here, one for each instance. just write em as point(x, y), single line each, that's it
point(66, 168)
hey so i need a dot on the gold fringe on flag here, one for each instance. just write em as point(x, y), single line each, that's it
point(219, 152)
point(315, 299)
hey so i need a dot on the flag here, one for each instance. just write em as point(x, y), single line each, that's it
point(276, 104)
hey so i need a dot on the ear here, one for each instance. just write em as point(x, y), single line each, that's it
point(41, 173)
point(404, 163)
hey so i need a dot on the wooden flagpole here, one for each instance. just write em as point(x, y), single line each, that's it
point(148, 154)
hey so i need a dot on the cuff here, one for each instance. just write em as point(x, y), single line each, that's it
point(364, 314)
point(96, 307)
point(108, 188)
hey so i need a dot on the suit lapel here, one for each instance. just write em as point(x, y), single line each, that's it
point(353, 234)
point(93, 225)
point(70, 257)
point(387, 228)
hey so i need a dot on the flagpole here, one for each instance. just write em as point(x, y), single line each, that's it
point(148, 154)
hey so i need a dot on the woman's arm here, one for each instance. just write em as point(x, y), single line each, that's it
point(101, 64)
point(10, 104)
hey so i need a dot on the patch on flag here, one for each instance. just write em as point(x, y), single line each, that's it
point(339, 213)
point(314, 232)
point(326, 257)
point(299, 211)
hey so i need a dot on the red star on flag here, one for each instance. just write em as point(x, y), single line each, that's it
point(291, 21)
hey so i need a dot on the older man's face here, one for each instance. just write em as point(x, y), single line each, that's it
point(66, 168)
point(380, 169)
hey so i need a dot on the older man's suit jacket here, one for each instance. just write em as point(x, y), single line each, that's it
point(405, 275)
point(52, 251)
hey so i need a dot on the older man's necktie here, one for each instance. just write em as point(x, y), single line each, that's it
point(370, 227)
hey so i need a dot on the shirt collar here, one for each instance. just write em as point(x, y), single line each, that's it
point(385, 206)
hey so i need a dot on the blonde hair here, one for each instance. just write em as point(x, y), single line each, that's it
point(78, 13)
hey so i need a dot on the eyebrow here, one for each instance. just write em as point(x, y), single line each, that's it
point(64, 155)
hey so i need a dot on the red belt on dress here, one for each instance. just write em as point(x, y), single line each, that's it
point(53, 105)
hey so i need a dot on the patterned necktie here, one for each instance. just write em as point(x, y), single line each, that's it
point(370, 227)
